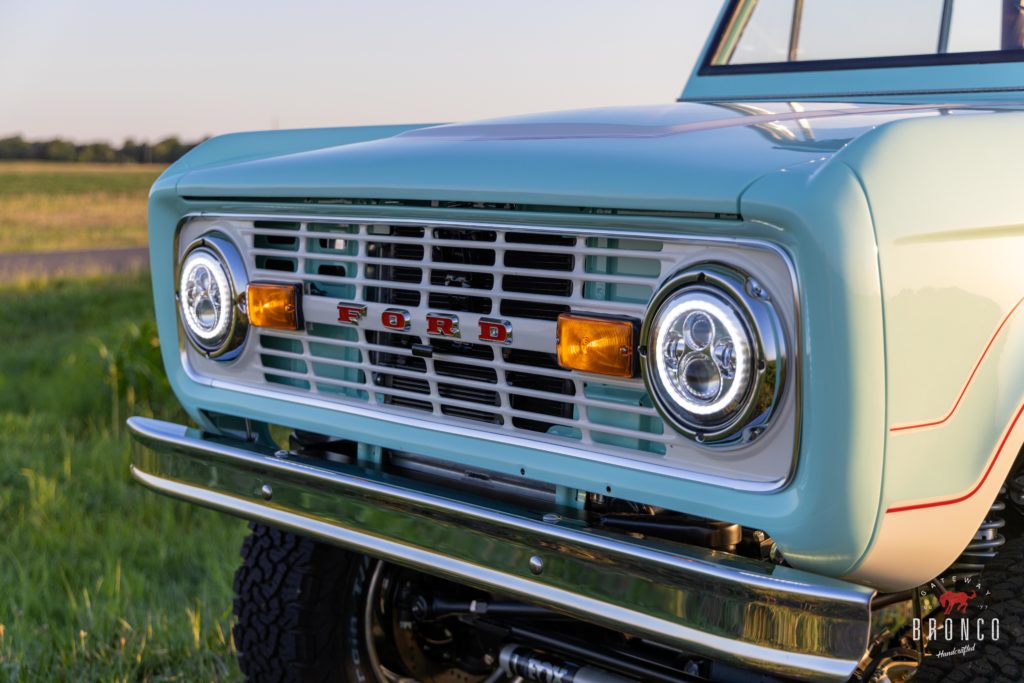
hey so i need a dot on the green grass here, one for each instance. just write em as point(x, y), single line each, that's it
point(100, 579)
point(40, 177)
point(52, 206)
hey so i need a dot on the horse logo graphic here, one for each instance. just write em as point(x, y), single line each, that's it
point(956, 600)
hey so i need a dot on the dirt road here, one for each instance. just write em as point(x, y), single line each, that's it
point(52, 264)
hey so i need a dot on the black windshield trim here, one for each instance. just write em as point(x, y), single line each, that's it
point(847, 64)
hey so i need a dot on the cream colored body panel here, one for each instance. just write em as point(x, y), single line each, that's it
point(913, 543)
point(944, 193)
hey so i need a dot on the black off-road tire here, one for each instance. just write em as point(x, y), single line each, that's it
point(1000, 661)
point(291, 595)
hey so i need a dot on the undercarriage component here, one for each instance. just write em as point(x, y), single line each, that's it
point(678, 527)
point(318, 445)
point(424, 608)
point(532, 665)
point(605, 511)
point(986, 542)
point(894, 666)
point(1017, 490)
point(634, 658)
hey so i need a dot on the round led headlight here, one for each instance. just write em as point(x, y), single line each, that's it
point(713, 355)
point(211, 295)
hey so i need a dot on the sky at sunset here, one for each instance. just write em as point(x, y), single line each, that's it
point(111, 69)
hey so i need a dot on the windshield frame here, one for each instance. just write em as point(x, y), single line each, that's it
point(732, 11)
point(979, 75)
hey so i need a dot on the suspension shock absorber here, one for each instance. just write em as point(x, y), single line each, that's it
point(985, 544)
point(1017, 490)
point(531, 665)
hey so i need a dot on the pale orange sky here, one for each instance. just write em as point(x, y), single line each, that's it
point(109, 69)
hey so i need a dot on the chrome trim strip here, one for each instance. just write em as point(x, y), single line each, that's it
point(729, 608)
point(592, 455)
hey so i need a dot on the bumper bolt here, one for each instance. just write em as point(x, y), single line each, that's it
point(536, 565)
point(267, 492)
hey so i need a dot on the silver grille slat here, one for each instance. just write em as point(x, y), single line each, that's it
point(434, 377)
point(489, 386)
point(388, 239)
point(607, 278)
point(495, 410)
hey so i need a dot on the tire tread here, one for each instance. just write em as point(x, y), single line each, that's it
point(286, 601)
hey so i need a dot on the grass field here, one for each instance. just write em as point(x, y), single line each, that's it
point(54, 206)
point(100, 580)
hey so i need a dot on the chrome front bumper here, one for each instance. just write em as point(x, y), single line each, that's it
point(747, 613)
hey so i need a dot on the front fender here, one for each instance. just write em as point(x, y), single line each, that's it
point(821, 216)
point(944, 194)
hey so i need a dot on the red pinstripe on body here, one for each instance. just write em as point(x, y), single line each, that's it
point(977, 487)
point(956, 404)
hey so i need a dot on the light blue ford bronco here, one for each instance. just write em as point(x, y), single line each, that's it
point(727, 389)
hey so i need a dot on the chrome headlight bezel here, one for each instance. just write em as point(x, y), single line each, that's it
point(227, 345)
point(744, 416)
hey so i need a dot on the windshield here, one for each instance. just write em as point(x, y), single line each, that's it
point(779, 35)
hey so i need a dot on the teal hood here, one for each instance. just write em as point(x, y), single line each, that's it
point(691, 157)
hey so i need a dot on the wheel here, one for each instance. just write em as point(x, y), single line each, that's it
point(999, 600)
point(310, 612)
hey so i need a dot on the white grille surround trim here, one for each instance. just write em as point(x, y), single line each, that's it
point(750, 250)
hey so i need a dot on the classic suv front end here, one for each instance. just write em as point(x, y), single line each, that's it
point(617, 392)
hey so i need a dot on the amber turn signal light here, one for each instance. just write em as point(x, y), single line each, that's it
point(597, 345)
point(274, 305)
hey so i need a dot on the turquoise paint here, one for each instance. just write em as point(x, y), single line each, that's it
point(370, 454)
point(918, 83)
point(823, 219)
point(568, 498)
point(241, 147)
point(619, 173)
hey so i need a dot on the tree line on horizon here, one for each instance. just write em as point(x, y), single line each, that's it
point(165, 151)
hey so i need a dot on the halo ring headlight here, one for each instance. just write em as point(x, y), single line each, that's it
point(211, 288)
point(713, 355)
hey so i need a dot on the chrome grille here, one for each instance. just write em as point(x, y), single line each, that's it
point(527, 278)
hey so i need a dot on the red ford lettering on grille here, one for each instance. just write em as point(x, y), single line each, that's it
point(395, 319)
point(351, 314)
point(493, 330)
point(442, 325)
